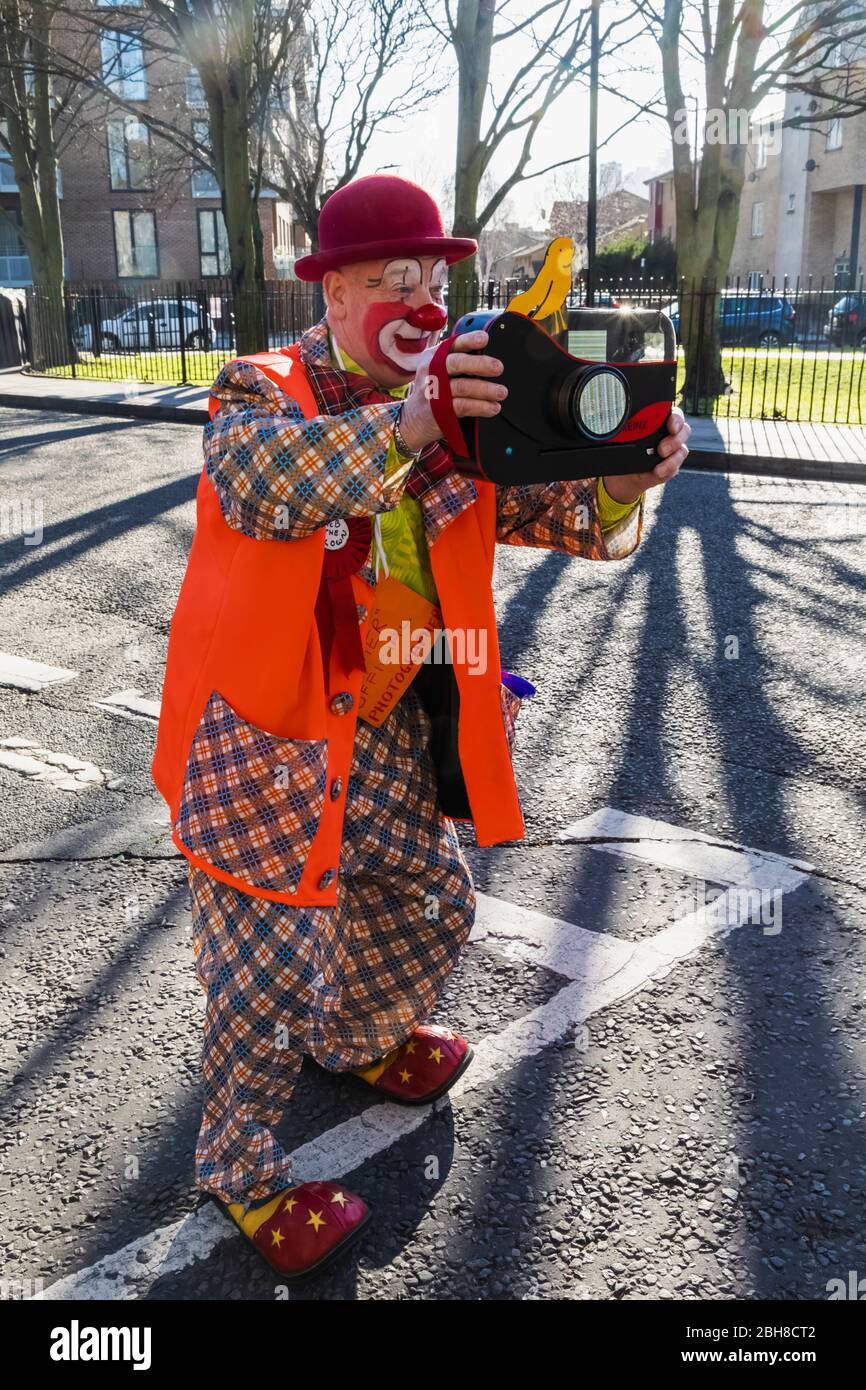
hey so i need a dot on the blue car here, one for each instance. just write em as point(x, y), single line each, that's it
point(747, 318)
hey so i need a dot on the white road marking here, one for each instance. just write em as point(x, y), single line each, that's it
point(702, 856)
point(61, 770)
point(601, 969)
point(130, 705)
point(519, 934)
point(17, 671)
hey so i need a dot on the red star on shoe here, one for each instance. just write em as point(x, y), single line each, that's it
point(302, 1229)
point(422, 1068)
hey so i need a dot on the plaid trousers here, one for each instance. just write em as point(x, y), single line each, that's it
point(340, 984)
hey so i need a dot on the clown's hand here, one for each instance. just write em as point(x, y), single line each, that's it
point(673, 450)
point(472, 392)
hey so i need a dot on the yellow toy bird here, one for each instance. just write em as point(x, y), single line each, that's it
point(544, 300)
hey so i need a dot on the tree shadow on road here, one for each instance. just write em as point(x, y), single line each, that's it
point(13, 446)
point(65, 541)
point(754, 751)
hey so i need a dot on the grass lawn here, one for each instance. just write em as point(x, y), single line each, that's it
point(148, 368)
point(791, 384)
point(775, 384)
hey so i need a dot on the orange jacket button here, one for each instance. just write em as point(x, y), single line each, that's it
point(327, 878)
point(342, 703)
point(336, 788)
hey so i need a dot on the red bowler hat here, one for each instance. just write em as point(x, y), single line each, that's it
point(375, 216)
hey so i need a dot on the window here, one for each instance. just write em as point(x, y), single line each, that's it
point(282, 99)
point(283, 227)
point(761, 154)
point(8, 182)
point(757, 219)
point(14, 261)
point(834, 134)
point(194, 90)
point(10, 235)
point(123, 64)
point(755, 280)
point(135, 244)
point(213, 243)
point(129, 154)
point(204, 183)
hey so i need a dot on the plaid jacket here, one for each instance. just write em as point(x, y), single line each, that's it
point(280, 476)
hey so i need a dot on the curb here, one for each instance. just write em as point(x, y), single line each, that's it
point(125, 410)
point(699, 460)
point(797, 470)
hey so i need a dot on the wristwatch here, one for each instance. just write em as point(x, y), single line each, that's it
point(402, 447)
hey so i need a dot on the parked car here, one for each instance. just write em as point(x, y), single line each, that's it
point(747, 318)
point(151, 325)
point(577, 300)
point(846, 322)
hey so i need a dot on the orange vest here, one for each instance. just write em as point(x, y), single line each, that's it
point(244, 626)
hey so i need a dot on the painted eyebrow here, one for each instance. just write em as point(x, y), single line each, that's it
point(410, 261)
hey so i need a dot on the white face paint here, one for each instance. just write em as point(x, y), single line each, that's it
point(398, 341)
point(398, 332)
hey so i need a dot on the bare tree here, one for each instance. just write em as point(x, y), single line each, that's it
point(40, 112)
point(363, 66)
point(498, 237)
point(240, 50)
point(37, 113)
point(552, 41)
point(609, 178)
point(746, 51)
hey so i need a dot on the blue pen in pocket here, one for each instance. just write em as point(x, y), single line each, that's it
point(524, 689)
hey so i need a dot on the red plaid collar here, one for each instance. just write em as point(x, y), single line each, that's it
point(338, 391)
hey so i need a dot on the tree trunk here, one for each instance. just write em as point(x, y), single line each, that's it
point(699, 334)
point(462, 279)
point(707, 214)
point(473, 44)
point(703, 258)
point(239, 213)
point(32, 146)
point(46, 257)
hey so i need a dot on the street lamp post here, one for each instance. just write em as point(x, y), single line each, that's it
point(592, 177)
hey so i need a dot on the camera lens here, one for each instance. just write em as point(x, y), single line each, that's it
point(600, 404)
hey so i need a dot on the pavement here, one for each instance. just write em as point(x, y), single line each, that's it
point(664, 985)
point(23, 389)
point(812, 452)
point(780, 448)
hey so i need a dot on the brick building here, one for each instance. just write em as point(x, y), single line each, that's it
point(133, 207)
point(799, 211)
point(661, 220)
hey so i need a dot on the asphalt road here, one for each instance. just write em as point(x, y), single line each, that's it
point(684, 1126)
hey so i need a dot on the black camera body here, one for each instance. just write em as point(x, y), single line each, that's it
point(593, 400)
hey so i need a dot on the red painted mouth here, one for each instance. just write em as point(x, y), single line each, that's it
point(410, 344)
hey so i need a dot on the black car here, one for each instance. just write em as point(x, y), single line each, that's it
point(846, 323)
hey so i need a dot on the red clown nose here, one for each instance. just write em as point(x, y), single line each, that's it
point(428, 317)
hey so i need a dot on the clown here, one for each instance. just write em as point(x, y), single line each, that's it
point(311, 789)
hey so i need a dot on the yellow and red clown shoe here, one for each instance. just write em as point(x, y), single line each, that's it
point(303, 1229)
point(422, 1069)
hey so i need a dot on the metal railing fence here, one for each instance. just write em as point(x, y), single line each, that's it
point(789, 352)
